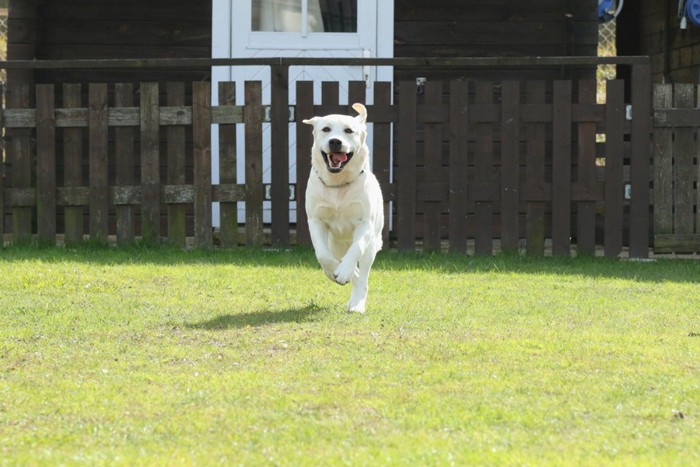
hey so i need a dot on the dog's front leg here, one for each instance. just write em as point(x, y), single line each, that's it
point(319, 239)
point(348, 264)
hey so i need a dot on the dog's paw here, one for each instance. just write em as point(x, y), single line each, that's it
point(329, 266)
point(356, 307)
point(345, 272)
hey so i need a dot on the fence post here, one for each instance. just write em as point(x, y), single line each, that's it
point(561, 168)
point(73, 166)
point(46, 163)
point(614, 137)
point(641, 127)
point(175, 136)
point(432, 157)
point(535, 172)
point(304, 109)
point(99, 188)
point(150, 162)
point(483, 172)
point(663, 164)
point(253, 163)
point(279, 192)
point(19, 157)
point(510, 159)
point(228, 230)
point(201, 135)
point(406, 161)
point(381, 152)
point(2, 168)
point(585, 239)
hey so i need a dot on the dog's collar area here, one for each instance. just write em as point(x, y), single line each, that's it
point(342, 185)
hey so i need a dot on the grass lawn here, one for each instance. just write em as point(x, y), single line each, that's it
point(159, 356)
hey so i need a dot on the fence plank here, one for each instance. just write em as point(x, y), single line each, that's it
point(432, 155)
point(19, 158)
point(150, 162)
point(484, 171)
point(458, 156)
point(406, 165)
point(683, 154)
point(46, 163)
point(639, 178)
point(253, 163)
point(561, 168)
point(510, 160)
point(663, 164)
point(304, 110)
point(279, 166)
point(201, 136)
point(585, 230)
point(534, 172)
point(381, 152)
point(176, 170)
point(228, 230)
point(124, 152)
point(614, 137)
point(2, 171)
point(99, 175)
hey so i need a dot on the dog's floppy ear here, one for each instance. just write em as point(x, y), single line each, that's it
point(310, 121)
point(362, 111)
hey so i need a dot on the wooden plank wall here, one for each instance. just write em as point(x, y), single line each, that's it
point(474, 166)
point(676, 169)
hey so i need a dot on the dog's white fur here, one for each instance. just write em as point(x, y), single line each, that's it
point(344, 203)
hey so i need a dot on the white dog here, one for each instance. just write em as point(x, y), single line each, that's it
point(344, 203)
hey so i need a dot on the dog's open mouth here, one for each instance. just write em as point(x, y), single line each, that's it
point(336, 161)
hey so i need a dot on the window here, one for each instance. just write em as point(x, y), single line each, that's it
point(288, 15)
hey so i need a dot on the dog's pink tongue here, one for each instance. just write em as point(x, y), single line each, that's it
point(338, 157)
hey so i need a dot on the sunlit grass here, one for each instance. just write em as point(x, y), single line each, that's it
point(158, 356)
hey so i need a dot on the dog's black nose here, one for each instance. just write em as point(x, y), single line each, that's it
point(335, 145)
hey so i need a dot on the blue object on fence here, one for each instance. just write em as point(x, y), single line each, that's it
point(604, 7)
point(692, 11)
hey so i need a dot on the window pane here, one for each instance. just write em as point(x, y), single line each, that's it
point(338, 15)
point(323, 15)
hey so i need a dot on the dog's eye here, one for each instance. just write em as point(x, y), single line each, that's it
point(348, 131)
point(326, 129)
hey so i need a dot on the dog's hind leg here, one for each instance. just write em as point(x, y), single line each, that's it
point(360, 282)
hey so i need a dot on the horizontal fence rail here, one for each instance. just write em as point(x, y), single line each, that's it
point(465, 165)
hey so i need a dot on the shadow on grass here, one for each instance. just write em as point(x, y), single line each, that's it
point(260, 318)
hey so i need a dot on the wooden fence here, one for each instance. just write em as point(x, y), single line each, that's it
point(461, 165)
point(676, 168)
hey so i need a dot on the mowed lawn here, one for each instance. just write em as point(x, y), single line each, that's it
point(155, 356)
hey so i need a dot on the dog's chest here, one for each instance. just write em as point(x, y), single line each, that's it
point(341, 219)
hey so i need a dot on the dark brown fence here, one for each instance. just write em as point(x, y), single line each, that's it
point(676, 168)
point(465, 164)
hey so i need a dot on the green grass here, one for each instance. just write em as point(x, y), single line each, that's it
point(155, 356)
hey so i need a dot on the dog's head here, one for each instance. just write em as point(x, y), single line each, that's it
point(339, 141)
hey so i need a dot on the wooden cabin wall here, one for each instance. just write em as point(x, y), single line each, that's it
point(652, 27)
point(482, 28)
point(80, 29)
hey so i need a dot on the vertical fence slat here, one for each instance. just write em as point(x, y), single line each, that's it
point(483, 151)
point(304, 110)
point(201, 136)
point(99, 182)
point(381, 153)
point(150, 162)
point(73, 166)
point(585, 230)
point(46, 162)
point(253, 163)
point(535, 170)
point(683, 154)
point(406, 164)
point(227, 168)
point(432, 155)
point(124, 153)
point(459, 118)
point(175, 175)
point(510, 159)
point(2, 171)
point(641, 127)
point(663, 164)
point(614, 134)
point(561, 168)
point(279, 166)
point(19, 157)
